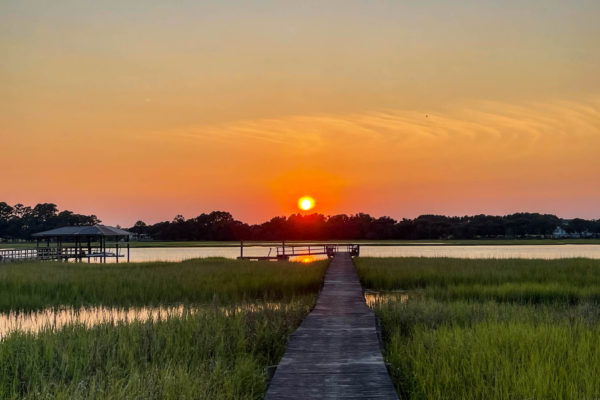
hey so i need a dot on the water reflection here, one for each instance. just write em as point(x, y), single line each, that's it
point(475, 251)
point(56, 318)
point(372, 297)
point(485, 251)
point(307, 259)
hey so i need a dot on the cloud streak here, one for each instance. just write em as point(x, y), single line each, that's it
point(482, 156)
point(552, 125)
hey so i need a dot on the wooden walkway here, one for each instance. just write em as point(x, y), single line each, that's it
point(335, 353)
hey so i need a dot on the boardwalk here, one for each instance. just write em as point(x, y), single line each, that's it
point(335, 352)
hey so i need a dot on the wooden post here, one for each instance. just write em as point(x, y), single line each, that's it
point(117, 249)
point(127, 248)
point(241, 249)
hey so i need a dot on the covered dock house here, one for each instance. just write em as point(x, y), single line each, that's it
point(99, 242)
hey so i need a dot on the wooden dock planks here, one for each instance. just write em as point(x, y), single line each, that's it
point(335, 353)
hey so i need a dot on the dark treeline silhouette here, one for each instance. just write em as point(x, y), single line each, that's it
point(220, 225)
point(19, 222)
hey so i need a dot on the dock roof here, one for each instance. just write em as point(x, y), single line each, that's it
point(95, 230)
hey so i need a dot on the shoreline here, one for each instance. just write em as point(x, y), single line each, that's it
point(452, 242)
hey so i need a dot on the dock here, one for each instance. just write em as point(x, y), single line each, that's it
point(335, 353)
point(284, 251)
point(98, 242)
point(54, 254)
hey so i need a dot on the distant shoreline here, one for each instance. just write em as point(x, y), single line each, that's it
point(466, 242)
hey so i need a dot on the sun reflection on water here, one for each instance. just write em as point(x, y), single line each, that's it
point(307, 259)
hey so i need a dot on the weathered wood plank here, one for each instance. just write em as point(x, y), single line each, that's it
point(335, 353)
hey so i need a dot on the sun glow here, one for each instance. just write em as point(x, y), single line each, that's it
point(306, 203)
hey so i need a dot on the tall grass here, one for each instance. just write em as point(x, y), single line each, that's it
point(494, 360)
point(490, 329)
point(514, 280)
point(217, 351)
point(32, 286)
point(420, 272)
point(208, 355)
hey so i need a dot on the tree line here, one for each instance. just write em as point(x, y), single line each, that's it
point(220, 225)
point(19, 222)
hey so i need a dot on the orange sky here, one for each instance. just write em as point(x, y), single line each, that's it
point(143, 110)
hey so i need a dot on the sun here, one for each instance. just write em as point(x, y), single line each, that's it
point(306, 203)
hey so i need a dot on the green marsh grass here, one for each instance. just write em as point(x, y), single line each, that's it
point(519, 280)
point(489, 329)
point(39, 285)
point(218, 351)
point(208, 355)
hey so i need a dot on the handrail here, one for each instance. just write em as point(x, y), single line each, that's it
point(292, 250)
point(52, 253)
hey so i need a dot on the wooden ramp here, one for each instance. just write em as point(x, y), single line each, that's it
point(335, 353)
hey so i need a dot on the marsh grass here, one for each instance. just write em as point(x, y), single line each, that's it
point(512, 280)
point(490, 329)
point(497, 360)
point(207, 355)
point(217, 351)
point(35, 286)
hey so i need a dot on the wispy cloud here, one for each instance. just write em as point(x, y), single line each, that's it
point(511, 127)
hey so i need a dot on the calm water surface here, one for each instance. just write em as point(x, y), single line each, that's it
point(56, 318)
point(373, 297)
point(51, 318)
point(502, 251)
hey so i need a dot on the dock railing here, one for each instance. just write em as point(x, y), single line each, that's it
point(53, 253)
point(18, 254)
point(286, 250)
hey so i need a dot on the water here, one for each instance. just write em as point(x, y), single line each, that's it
point(484, 251)
point(50, 318)
point(548, 252)
point(174, 254)
point(186, 253)
point(373, 297)
point(56, 318)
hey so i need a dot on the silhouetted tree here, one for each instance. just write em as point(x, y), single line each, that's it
point(19, 221)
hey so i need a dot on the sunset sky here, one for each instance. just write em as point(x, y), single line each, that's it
point(147, 109)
